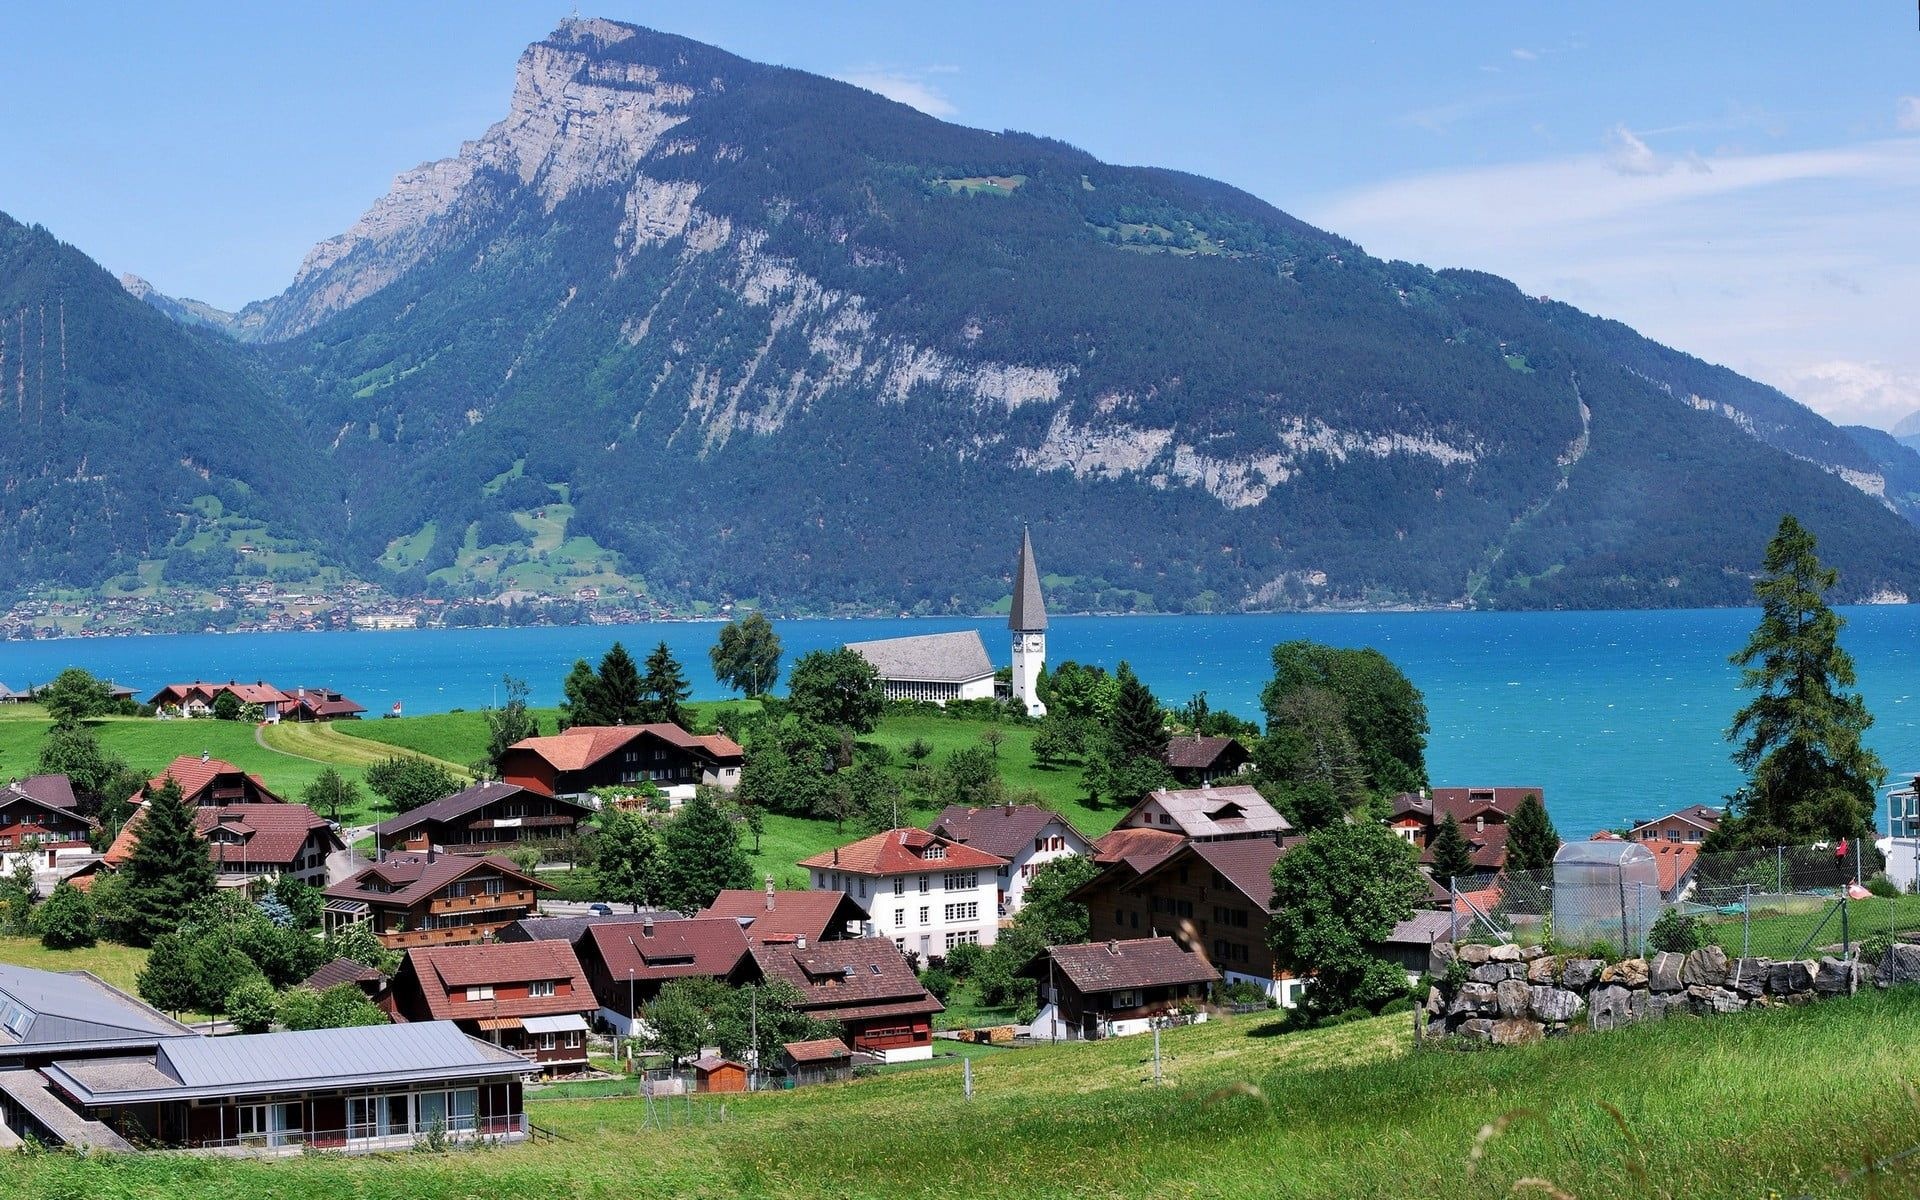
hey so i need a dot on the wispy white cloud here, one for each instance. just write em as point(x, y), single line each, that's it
point(909, 87)
point(1780, 265)
point(1524, 54)
point(1906, 114)
point(1441, 118)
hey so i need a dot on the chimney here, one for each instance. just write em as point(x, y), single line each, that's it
point(646, 927)
point(1480, 823)
point(432, 854)
point(836, 856)
point(205, 755)
point(1113, 947)
point(800, 943)
point(769, 891)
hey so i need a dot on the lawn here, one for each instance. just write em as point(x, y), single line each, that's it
point(118, 965)
point(1779, 1103)
point(1780, 925)
point(965, 1011)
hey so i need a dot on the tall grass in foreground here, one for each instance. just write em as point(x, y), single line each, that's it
point(1778, 1103)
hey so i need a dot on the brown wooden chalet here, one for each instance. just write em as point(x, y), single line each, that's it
point(627, 963)
point(1481, 814)
point(320, 704)
point(528, 997)
point(787, 915)
point(482, 819)
point(39, 818)
point(434, 899)
point(249, 841)
point(1114, 988)
point(1197, 761)
point(865, 986)
point(578, 760)
point(1208, 814)
point(206, 781)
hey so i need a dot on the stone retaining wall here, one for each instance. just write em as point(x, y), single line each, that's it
point(1515, 994)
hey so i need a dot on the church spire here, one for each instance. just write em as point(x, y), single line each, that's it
point(1029, 608)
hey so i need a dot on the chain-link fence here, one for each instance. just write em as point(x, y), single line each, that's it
point(1784, 902)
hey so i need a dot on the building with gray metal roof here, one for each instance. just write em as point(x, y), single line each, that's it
point(49, 1014)
point(937, 667)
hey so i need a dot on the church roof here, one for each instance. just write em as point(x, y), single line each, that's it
point(1029, 613)
point(929, 657)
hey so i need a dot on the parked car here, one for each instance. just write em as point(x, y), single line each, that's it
point(600, 910)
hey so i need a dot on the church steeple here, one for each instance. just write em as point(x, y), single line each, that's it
point(1028, 621)
point(1029, 608)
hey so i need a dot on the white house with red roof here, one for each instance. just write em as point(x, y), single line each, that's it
point(925, 892)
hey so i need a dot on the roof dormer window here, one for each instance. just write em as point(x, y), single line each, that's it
point(936, 850)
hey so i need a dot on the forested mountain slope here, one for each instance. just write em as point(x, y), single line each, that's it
point(134, 449)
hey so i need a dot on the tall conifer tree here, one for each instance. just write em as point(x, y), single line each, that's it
point(169, 869)
point(1531, 839)
point(1452, 857)
point(664, 688)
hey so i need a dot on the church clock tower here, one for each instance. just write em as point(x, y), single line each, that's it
point(1028, 621)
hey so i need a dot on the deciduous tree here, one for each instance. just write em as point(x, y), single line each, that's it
point(406, 781)
point(1336, 897)
point(838, 689)
point(703, 855)
point(746, 657)
point(511, 722)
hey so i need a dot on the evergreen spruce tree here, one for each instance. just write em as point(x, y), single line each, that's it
point(1799, 738)
point(1531, 839)
point(703, 855)
point(169, 868)
point(581, 702)
point(1137, 728)
point(620, 690)
point(1452, 857)
point(664, 688)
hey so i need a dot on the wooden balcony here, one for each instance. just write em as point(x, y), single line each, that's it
point(483, 901)
point(452, 935)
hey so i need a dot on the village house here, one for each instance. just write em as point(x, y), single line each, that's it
point(373, 983)
point(205, 781)
point(378, 1087)
point(48, 1015)
point(786, 915)
point(482, 819)
point(575, 762)
point(434, 899)
point(1025, 835)
point(320, 704)
point(1208, 814)
point(934, 667)
point(1197, 761)
point(817, 1060)
point(1481, 813)
point(1685, 826)
point(528, 997)
point(627, 964)
point(251, 841)
point(865, 986)
point(39, 819)
point(197, 699)
point(571, 929)
point(927, 893)
point(1116, 988)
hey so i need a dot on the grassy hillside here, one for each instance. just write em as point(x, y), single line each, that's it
point(1770, 1104)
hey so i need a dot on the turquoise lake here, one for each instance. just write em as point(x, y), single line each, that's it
point(1615, 715)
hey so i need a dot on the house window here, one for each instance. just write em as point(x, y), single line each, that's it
point(926, 884)
point(541, 987)
point(1003, 871)
point(962, 935)
point(547, 1042)
point(863, 889)
point(956, 881)
point(963, 912)
point(484, 992)
point(924, 911)
point(899, 885)
point(1124, 1000)
point(935, 851)
point(493, 885)
point(899, 917)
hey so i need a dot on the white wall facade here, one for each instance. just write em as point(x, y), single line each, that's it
point(1029, 655)
point(926, 912)
point(1057, 841)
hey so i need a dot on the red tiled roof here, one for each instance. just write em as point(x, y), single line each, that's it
point(817, 1050)
point(247, 693)
point(899, 851)
point(1138, 848)
point(324, 702)
point(441, 970)
point(1197, 753)
point(1674, 860)
point(195, 774)
point(274, 834)
point(847, 980)
point(1097, 967)
point(414, 877)
point(1467, 803)
point(713, 948)
point(1002, 829)
point(580, 747)
point(796, 913)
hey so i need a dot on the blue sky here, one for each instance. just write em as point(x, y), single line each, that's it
point(1740, 180)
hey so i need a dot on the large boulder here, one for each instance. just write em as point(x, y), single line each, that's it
point(1473, 953)
point(1749, 976)
point(1492, 972)
point(1436, 1002)
point(1507, 952)
point(1715, 999)
point(1554, 1005)
point(1529, 953)
point(1610, 1007)
point(1580, 973)
point(1543, 970)
point(1663, 974)
point(1705, 967)
point(1439, 959)
point(1516, 1031)
point(1836, 977)
point(1477, 1027)
point(1901, 965)
point(1511, 996)
point(1630, 973)
point(1790, 977)
point(1473, 998)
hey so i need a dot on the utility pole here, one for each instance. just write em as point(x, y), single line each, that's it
point(753, 1035)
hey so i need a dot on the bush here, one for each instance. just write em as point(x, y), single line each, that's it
point(65, 921)
point(1399, 1005)
point(1245, 992)
point(1676, 932)
point(1883, 887)
point(250, 1005)
point(937, 982)
point(964, 959)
